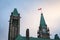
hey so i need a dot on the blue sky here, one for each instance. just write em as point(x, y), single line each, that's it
point(30, 16)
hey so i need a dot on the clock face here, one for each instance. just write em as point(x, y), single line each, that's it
point(44, 30)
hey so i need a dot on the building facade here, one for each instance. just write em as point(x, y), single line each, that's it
point(14, 29)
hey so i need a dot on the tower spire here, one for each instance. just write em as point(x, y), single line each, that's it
point(43, 31)
point(15, 12)
point(42, 21)
point(14, 25)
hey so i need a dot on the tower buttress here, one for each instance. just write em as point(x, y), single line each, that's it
point(14, 25)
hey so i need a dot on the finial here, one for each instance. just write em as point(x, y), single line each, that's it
point(41, 13)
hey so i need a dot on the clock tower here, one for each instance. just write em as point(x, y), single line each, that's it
point(14, 25)
point(43, 31)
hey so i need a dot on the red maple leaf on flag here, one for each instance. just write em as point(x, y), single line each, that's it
point(40, 9)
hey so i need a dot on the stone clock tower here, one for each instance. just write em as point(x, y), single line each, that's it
point(14, 25)
point(43, 31)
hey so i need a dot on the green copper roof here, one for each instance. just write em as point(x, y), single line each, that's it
point(42, 21)
point(15, 12)
point(56, 36)
point(19, 37)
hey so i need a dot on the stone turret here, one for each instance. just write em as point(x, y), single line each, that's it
point(27, 34)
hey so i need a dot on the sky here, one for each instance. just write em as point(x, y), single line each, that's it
point(30, 16)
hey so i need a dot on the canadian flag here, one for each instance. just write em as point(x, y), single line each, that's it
point(40, 9)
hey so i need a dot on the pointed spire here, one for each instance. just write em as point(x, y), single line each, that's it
point(42, 21)
point(15, 12)
point(56, 36)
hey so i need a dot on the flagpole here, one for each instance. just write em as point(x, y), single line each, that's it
point(40, 9)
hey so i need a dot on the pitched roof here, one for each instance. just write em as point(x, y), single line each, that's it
point(15, 12)
point(42, 21)
point(19, 37)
